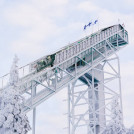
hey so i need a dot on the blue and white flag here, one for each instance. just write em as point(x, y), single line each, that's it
point(85, 27)
point(89, 24)
point(95, 21)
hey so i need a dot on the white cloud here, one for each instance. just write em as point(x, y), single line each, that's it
point(37, 25)
point(27, 48)
point(127, 69)
point(88, 6)
point(1, 2)
point(129, 2)
point(27, 14)
point(47, 4)
point(127, 77)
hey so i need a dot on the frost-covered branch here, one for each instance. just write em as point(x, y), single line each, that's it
point(115, 126)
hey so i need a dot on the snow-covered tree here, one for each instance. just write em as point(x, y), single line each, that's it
point(130, 130)
point(12, 117)
point(14, 74)
point(116, 125)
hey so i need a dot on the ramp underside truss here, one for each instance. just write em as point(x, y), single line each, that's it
point(86, 67)
point(89, 105)
point(57, 78)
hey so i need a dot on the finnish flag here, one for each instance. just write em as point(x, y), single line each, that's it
point(89, 24)
point(95, 21)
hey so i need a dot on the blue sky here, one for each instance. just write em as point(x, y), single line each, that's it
point(34, 28)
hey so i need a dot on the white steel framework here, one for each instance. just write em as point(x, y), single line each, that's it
point(84, 63)
point(89, 105)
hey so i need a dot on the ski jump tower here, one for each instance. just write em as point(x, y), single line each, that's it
point(90, 69)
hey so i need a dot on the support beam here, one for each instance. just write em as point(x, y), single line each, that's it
point(82, 109)
point(94, 99)
point(68, 108)
point(34, 121)
point(34, 109)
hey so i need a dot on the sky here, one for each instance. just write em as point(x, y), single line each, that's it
point(34, 28)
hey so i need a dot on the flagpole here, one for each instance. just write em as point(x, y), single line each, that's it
point(98, 24)
point(85, 32)
point(92, 27)
point(85, 27)
point(90, 32)
point(118, 21)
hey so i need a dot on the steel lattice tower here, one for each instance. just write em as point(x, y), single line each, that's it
point(89, 68)
point(90, 98)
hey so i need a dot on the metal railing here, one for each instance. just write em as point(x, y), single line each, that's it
point(26, 70)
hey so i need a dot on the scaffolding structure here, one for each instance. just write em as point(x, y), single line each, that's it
point(90, 98)
point(90, 69)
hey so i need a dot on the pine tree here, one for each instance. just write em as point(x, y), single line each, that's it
point(130, 130)
point(11, 114)
point(115, 126)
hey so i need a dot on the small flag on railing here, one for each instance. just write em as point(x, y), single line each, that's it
point(87, 25)
point(90, 24)
point(95, 21)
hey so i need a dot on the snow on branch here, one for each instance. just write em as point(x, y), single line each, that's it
point(14, 74)
point(116, 125)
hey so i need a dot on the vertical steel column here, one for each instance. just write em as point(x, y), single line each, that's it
point(88, 127)
point(34, 109)
point(56, 78)
point(72, 111)
point(120, 87)
point(84, 96)
point(75, 66)
point(93, 102)
point(68, 108)
point(34, 120)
